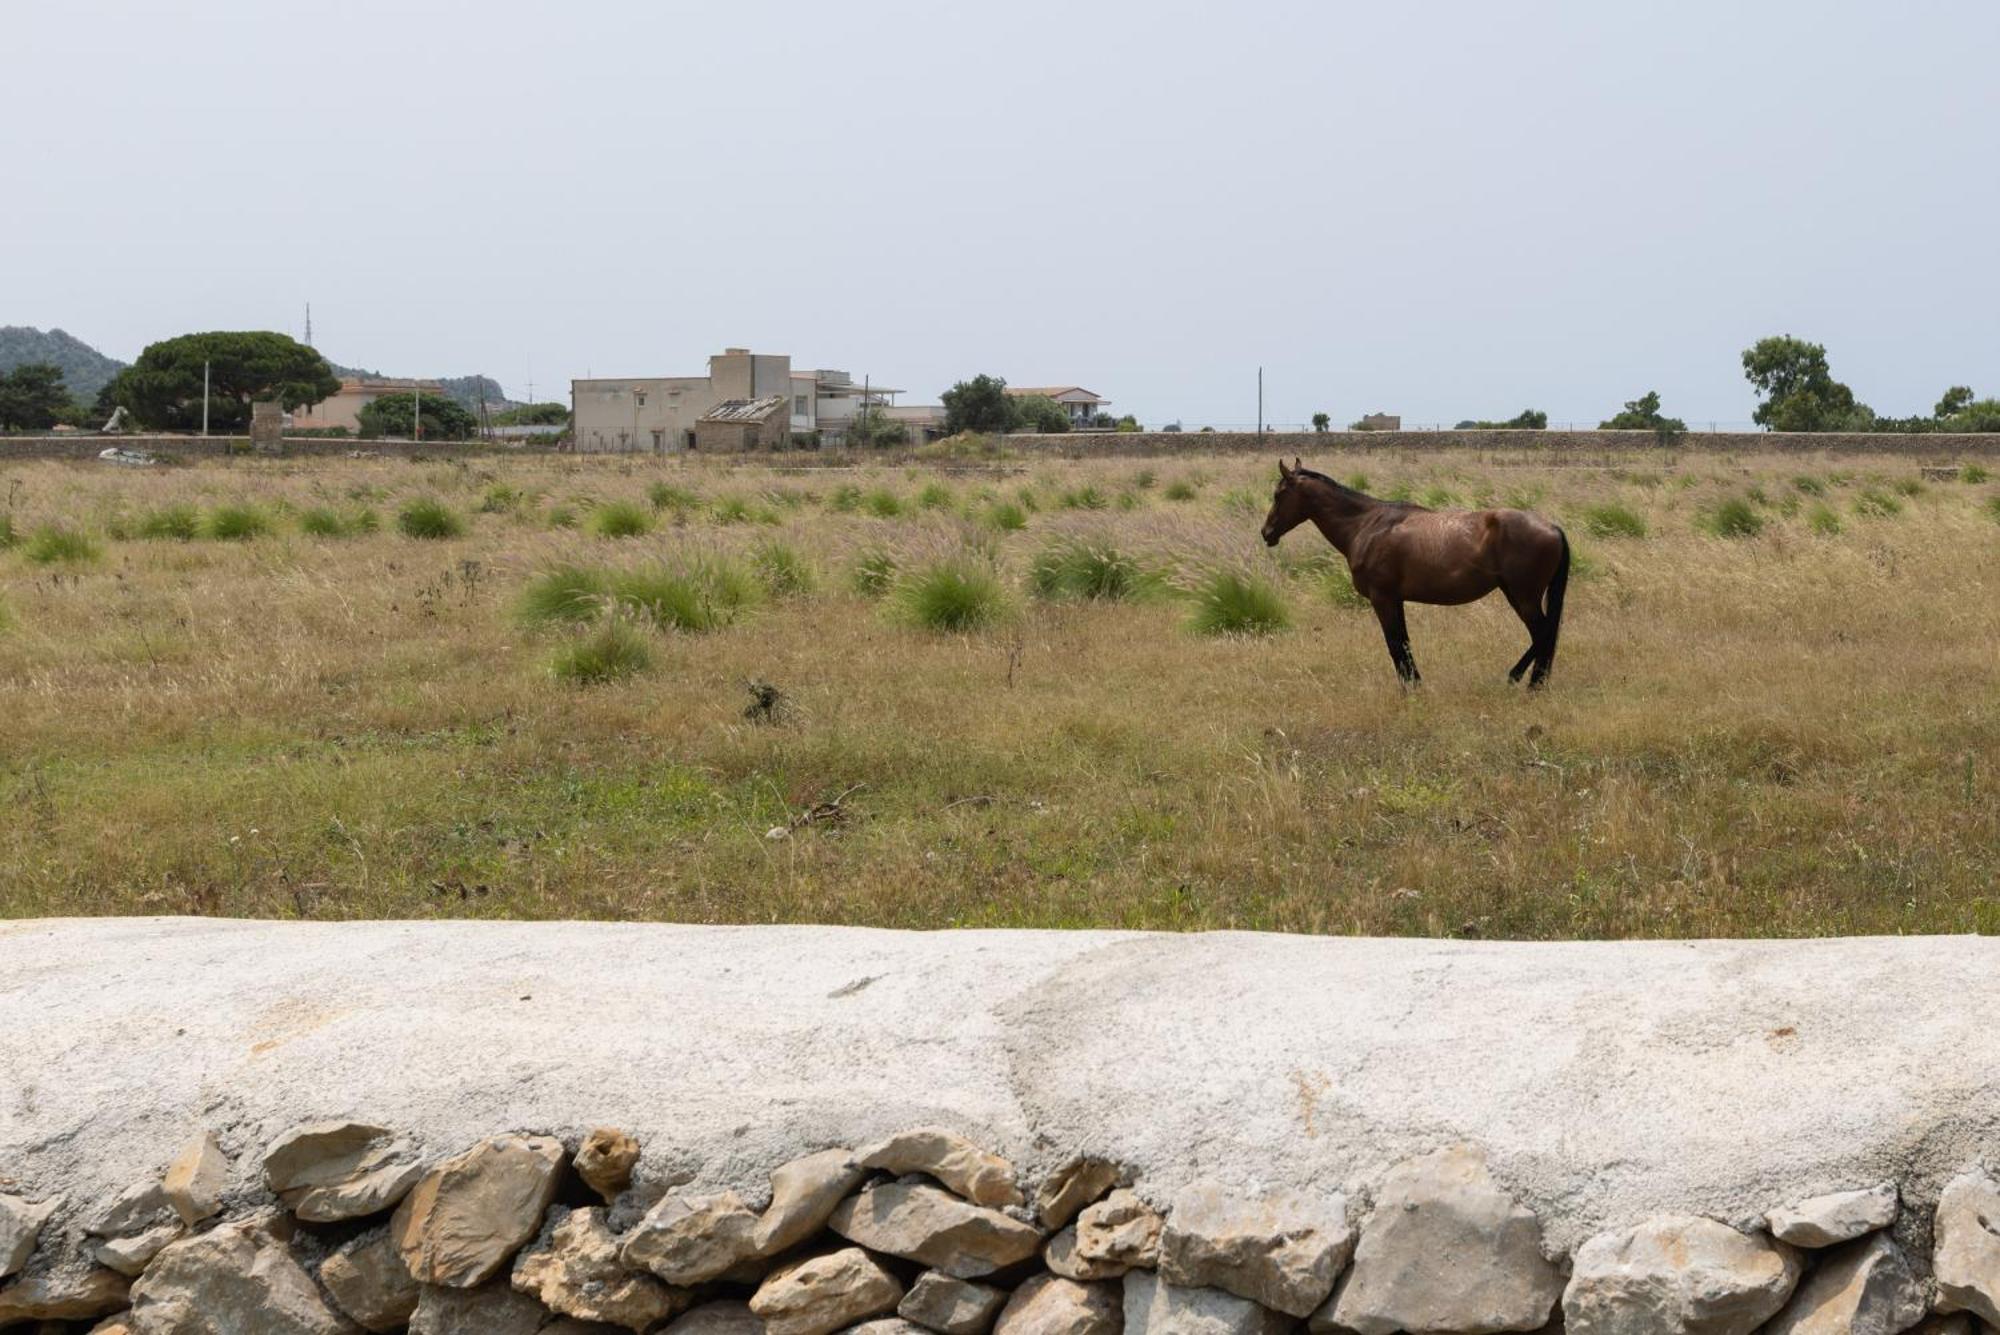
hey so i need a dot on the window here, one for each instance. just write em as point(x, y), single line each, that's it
point(799, 405)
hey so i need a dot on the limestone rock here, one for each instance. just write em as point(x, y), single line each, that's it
point(951, 1306)
point(1447, 1249)
point(1121, 1229)
point(919, 1222)
point(1060, 1256)
point(803, 1194)
point(63, 1295)
point(1677, 1275)
point(1965, 1254)
point(131, 1254)
point(238, 1277)
point(982, 1178)
point(1946, 1323)
point(575, 1270)
point(493, 1309)
point(606, 1160)
point(194, 1181)
point(20, 1225)
point(1050, 1305)
point(1154, 1307)
point(114, 1325)
point(1080, 1182)
point(1862, 1288)
point(885, 1325)
point(468, 1216)
point(370, 1283)
point(718, 1318)
point(1283, 1250)
point(1837, 1217)
point(824, 1293)
point(693, 1239)
point(329, 1171)
point(137, 1209)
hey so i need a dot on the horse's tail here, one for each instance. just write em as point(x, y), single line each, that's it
point(1557, 587)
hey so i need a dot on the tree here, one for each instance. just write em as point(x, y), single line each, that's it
point(32, 397)
point(1039, 412)
point(1127, 423)
point(1321, 422)
point(979, 404)
point(163, 388)
point(1954, 402)
point(1528, 419)
point(1643, 414)
point(533, 414)
point(390, 416)
point(874, 427)
point(1798, 389)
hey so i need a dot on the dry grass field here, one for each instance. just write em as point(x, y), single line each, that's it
point(243, 688)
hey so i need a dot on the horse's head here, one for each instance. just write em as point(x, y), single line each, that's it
point(1288, 503)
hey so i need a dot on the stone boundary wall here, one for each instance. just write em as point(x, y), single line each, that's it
point(1307, 444)
point(324, 1128)
point(215, 447)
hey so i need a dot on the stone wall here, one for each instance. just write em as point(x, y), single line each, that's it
point(1311, 444)
point(259, 1127)
point(178, 448)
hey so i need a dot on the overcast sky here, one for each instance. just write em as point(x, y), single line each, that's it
point(1442, 210)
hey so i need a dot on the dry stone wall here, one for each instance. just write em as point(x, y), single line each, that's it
point(335, 1228)
point(1577, 444)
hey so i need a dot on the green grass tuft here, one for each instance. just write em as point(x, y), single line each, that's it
point(1613, 519)
point(782, 572)
point(429, 519)
point(237, 523)
point(1822, 520)
point(1099, 572)
point(621, 519)
point(176, 523)
point(500, 499)
point(1875, 503)
point(1178, 490)
point(1809, 484)
point(563, 516)
point(882, 503)
point(1733, 517)
point(666, 496)
point(565, 594)
point(934, 496)
point(7, 535)
point(323, 521)
point(1006, 517)
point(701, 597)
point(1337, 583)
point(959, 593)
point(873, 574)
point(609, 651)
point(1234, 602)
point(1974, 473)
point(53, 544)
point(1086, 497)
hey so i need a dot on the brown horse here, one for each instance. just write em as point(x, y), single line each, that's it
point(1401, 553)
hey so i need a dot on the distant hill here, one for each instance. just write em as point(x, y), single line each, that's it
point(85, 369)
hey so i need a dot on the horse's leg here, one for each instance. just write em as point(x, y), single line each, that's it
point(1529, 609)
point(1397, 634)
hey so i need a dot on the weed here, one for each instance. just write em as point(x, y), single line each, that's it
point(1973, 473)
point(177, 523)
point(621, 519)
point(1179, 490)
point(959, 593)
point(934, 496)
point(1613, 519)
point(782, 571)
point(1006, 517)
point(1822, 520)
point(1087, 497)
point(667, 496)
point(703, 596)
point(1236, 602)
point(883, 503)
point(608, 651)
point(237, 523)
point(563, 516)
point(1809, 484)
point(564, 594)
point(53, 544)
point(1075, 568)
point(873, 573)
point(1875, 503)
point(429, 519)
point(1732, 517)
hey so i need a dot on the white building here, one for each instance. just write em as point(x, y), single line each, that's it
point(657, 414)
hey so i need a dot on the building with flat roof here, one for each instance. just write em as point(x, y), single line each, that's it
point(666, 414)
point(356, 392)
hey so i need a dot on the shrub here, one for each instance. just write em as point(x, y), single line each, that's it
point(1877, 504)
point(1078, 569)
point(1235, 602)
point(177, 523)
point(1086, 497)
point(1612, 519)
point(1733, 517)
point(1822, 520)
point(565, 594)
point(429, 519)
point(934, 496)
point(1973, 473)
point(782, 571)
point(883, 503)
point(237, 523)
point(621, 519)
point(666, 496)
point(1007, 517)
point(704, 596)
point(873, 574)
point(52, 543)
point(959, 593)
point(611, 650)
point(1178, 491)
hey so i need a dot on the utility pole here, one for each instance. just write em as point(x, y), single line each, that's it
point(1260, 403)
point(416, 415)
point(204, 396)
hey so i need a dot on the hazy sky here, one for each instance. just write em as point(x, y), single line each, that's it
point(1442, 210)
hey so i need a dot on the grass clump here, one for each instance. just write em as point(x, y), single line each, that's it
point(934, 496)
point(1438, 498)
point(609, 651)
point(7, 535)
point(959, 593)
point(321, 521)
point(237, 523)
point(845, 500)
point(1086, 497)
point(429, 519)
point(883, 503)
point(621, 519)
point(1613, 519)
point(1086, 570)
point(1909, 486)
point(1993, 508)
point(782, 572)
point(1236, 602)
point(1337, 583)
point(563, 516)
point(1822, 520)
point(1973, 473)
point(873, 574)
point(500, 499)
point(174, 523)
point(1875, 503)
point(666, 496)
point(1732, 517)
point(1006, 517)
point(701, 597)
point(570, 594)
point(1809, 484)
point(52, 544)
point(1178, 490)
